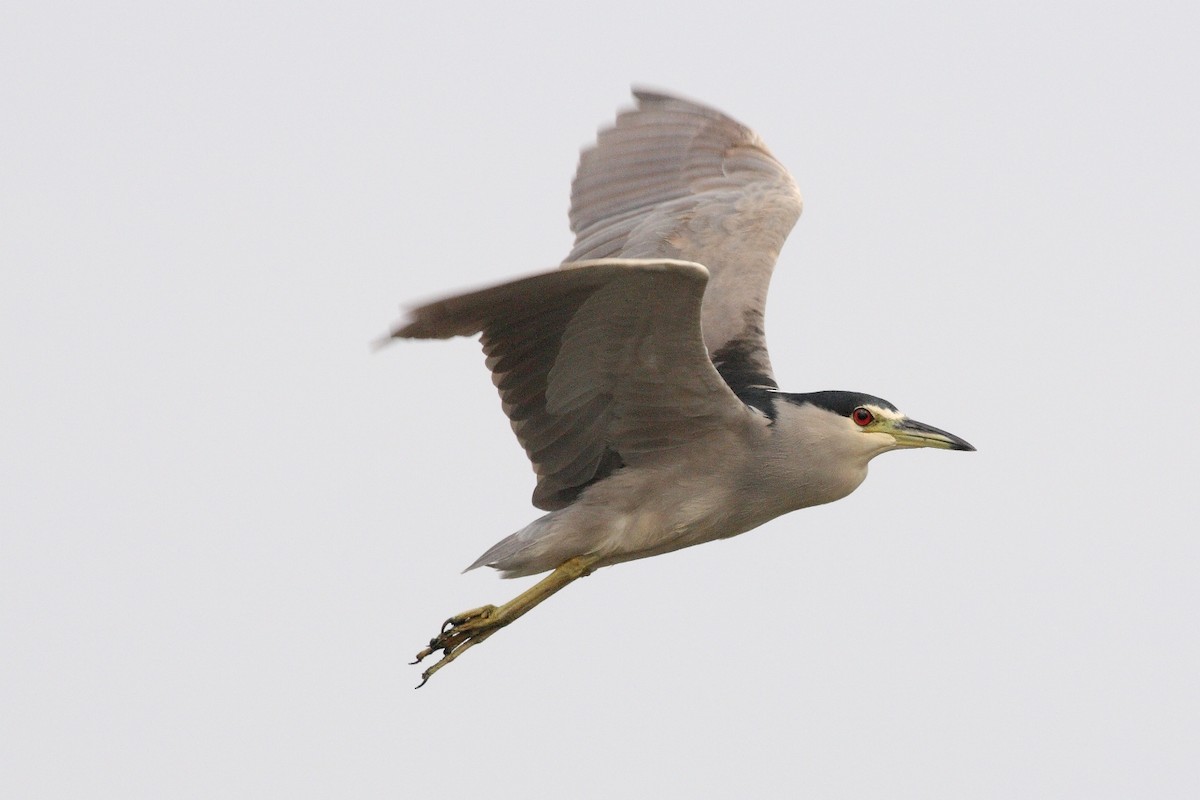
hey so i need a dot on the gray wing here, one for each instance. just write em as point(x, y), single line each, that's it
point(598, 365)
point(674, 179)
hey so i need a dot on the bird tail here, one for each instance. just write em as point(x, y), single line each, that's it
point(526, 552)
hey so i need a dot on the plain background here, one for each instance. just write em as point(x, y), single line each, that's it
point(227, 524)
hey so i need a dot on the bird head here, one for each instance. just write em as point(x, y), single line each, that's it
point(853, 414)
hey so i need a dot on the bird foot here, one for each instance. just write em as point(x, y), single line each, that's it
point(459, 633)
point(463, 631)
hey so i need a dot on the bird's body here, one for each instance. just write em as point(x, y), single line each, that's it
point(637, 377)
point(757, 472)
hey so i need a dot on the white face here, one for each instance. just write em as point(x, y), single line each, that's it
point(828, 451)
point(823, 454)
point(845, 440)
point(876, 426)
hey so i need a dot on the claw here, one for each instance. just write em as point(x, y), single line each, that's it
point(459, 633)
point(428, 651)
point(454, 643)
point(463, 631)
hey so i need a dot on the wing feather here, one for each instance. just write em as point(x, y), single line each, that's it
point(675, 179)
point(599, 365)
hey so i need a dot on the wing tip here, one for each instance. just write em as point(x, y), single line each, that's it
point(644, 94)
point(418, 324)
point(648, 98)
point(382, 341)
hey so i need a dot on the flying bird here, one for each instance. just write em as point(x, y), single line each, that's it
point(636, 375)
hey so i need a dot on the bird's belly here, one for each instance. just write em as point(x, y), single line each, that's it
point(674, 518)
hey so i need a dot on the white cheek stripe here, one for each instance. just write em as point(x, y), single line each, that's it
point(885, 413)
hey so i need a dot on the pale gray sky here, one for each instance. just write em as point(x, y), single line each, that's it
point(227, 525)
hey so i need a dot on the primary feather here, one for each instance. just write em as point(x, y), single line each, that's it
point(675, 179)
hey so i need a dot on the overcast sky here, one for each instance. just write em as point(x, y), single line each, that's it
point(226, 524)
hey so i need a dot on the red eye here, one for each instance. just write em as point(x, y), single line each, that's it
point(862, 416)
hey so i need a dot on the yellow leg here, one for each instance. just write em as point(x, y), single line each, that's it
point(463, 631)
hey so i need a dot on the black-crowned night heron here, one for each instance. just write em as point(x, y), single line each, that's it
point(636, 376)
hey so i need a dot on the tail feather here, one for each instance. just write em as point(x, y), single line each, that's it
point(527, 552)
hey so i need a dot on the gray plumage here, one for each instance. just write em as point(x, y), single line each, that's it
point(673, 179)
point(636, 377)
point(597, 361)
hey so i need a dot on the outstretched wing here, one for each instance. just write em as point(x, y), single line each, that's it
point(598, 365)
point(674, 179)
